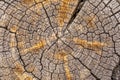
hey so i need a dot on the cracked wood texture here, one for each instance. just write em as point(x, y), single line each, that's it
point(59, 39)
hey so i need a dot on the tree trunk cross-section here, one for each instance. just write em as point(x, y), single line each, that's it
point(59, 39)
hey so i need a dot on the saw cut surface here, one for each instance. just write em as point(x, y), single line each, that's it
point(59, 40)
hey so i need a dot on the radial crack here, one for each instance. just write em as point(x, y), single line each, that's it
point(76, 11)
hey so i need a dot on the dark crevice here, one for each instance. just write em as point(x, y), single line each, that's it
point(48, 17)
point(116, 72)
point(22, 61)
point(86, 67)
point(6, 28)
point(49, 20)
point(76, 11)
